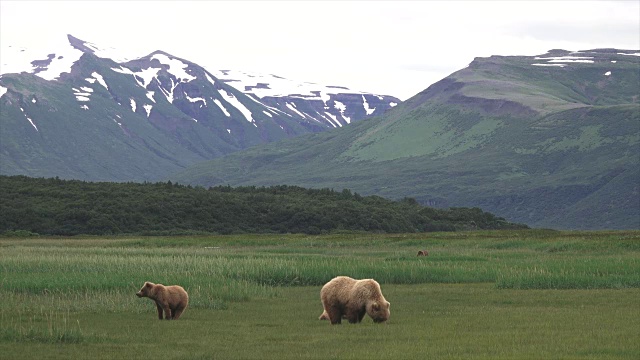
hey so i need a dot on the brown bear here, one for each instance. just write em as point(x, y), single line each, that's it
point(170, 299)
point(423, 253)
point(351, 299)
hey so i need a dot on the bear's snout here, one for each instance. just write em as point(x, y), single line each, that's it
point(139, 294)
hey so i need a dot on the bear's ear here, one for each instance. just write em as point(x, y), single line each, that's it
point(388, 304)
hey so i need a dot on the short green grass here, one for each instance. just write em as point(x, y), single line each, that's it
point(478, 295)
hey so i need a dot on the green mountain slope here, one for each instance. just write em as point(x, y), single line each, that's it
point(555, 144)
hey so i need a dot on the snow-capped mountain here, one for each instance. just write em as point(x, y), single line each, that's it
point(75, 110)
point(328, 106)
point(334, 105)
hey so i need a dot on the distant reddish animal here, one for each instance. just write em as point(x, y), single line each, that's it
point(423, 253)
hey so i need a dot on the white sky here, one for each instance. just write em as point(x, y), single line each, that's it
point(386, 47)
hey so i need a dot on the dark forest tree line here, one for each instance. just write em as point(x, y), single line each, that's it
point(71, 207)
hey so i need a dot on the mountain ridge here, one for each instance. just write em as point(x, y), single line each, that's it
point(533, 139)
point(167, 112)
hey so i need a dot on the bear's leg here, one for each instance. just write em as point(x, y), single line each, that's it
point(352, 316)
point(159, 311)
point(361, 314)
point(178, 311)
point(335, 315)
point(168, 314)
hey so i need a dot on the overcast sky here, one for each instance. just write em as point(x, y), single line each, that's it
point(392, 48)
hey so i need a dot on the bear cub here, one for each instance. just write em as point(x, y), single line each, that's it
point(170, 299)
point(344, 297)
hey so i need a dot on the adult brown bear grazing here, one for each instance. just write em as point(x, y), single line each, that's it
point(170, 299)
point(423, 253)
point(351, 298)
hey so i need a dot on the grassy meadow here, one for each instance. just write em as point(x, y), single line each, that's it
point(527, 294)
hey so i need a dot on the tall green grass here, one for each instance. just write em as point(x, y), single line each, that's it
point(43, 327)
point(239, 268)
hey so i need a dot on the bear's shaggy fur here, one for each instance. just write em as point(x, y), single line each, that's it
point(170, 299)
point(351, 299)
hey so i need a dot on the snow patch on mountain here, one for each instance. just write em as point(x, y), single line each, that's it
point(107, 53)
point(210, 79)
point(342, 107)
point(3, 90)
point(60, 63)
point(145, 74)
point(176, 67)
point(100, 79)
point(366, 106)
point(196, 99)
point(168, 93)
point(560, 61)
point(558, 65)
point(231, 99)
point(276, 86)
point(82, 95)
point(562, 57)
point(47, 60)
point(28, 118)
point(571, 61)
point(272, 109)
point(224, 110)
point(293, 108)
point(334, 118)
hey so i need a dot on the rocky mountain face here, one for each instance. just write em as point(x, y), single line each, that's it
point(551, 141)
point(76, 113)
